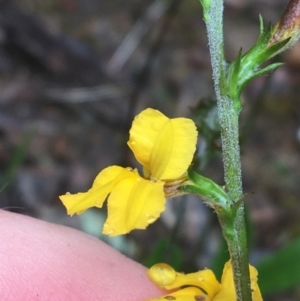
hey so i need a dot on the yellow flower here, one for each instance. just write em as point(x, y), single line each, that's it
point(199, 286)
point(165, 148)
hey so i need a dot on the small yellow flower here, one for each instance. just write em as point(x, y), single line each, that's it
point(165, 148)
point(199, 286)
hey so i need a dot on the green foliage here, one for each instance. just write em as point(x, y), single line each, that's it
point(248, 66)
point(281, 270)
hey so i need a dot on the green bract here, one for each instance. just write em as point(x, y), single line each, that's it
point(213, 194)
point(248, 66)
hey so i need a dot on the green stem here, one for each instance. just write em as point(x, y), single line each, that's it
point(237, 238)
point(234, 232)
point(233, 224)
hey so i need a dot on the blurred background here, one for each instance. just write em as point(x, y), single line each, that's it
point(74, 73)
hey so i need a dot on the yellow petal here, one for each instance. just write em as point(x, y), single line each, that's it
point(256, 295)
point(204, 279)
point(228, 291)
point(95, 197)
point(165, 276)
point(134, 203)
point(165, 147)
point(143, 133)
point(185, 294)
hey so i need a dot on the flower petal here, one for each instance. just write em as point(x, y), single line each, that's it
point(185, 294)
point(143, 133)
point(165, 147)
point(174, 149)
point(134, 203)
point(256, 295)
point(204, 279)
point(165, 276)
point(95, 197)
point(228, 290)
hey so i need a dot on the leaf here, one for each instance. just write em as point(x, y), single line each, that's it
point(258, 73)
point(280, 271)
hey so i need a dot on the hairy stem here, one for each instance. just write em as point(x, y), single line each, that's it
point(233, 224)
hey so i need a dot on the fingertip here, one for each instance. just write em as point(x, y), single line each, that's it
point(43, 261)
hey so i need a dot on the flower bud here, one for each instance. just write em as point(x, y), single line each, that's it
point(288, 27)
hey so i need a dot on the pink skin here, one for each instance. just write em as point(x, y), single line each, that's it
point(43, 261)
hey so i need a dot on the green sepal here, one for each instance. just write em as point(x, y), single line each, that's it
point(274, 49)
point(258, 73)
point(260, 52)
point(268, 69)
point(212, 193)
point(247, 66)
point(255, 56)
